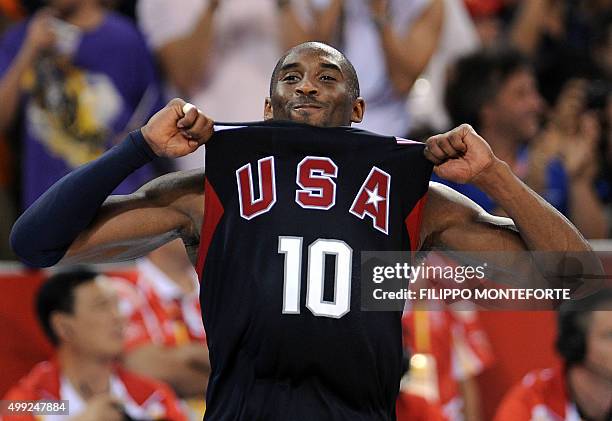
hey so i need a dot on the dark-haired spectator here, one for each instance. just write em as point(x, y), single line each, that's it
point(390, 43)
point(496, 92)
point(79, 76)
point(79, 313)
point(580, 389)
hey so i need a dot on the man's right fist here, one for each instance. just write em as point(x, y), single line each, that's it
point(177, 130)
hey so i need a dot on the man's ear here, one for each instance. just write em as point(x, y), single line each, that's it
point(61, 326)
point(358, 110)
point(268, 111)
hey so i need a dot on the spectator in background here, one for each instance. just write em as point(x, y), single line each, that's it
point(582, 388)
point(572, 136)
point(495, 91)
point(390, 42)
point(208, 48)
point(562, 38)
point(78, 311)
point(451, 350)
point(80, 77)
point(165, 337)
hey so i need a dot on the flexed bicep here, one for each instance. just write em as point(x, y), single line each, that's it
point(453, 221)
point(130, 226)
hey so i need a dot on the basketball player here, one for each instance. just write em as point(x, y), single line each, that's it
point(278, 348)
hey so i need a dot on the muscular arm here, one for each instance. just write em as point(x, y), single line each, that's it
point(461, 155)
point(131, 226)
point(452, 221)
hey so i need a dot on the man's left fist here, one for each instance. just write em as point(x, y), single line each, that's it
point(459, 155)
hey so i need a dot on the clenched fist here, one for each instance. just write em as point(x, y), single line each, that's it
point(177, 130)
point(459, 155)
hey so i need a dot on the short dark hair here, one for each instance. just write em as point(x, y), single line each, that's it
point(349, 69)
point(573, 324)
point(477, 78)
point(57, 294)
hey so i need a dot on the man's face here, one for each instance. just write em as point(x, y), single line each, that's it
point(517, 106)
point(312, 88)
point(95, 327)
point(599, 342)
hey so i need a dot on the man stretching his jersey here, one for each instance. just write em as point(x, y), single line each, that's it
point(281, 346)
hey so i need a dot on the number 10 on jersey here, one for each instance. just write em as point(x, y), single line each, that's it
point(292, 248)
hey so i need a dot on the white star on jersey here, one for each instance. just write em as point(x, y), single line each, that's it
point(374, 197)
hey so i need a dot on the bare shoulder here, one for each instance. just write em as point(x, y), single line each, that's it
point(446, 205)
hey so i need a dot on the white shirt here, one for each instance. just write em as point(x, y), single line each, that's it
point(118, 390)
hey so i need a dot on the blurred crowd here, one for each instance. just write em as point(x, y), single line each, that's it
point(533, 77)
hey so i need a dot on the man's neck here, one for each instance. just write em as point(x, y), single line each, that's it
point(87, 17)
point(590, 391)
point(88, 375)
point(504, 146)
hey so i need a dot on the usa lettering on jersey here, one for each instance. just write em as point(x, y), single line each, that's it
point(316, 189)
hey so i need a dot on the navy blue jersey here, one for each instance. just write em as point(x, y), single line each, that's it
point(288, 209)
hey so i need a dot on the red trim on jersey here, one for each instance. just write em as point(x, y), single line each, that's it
point(213, 211)
point(413, 222)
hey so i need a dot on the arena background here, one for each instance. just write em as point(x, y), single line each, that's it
point(521, 340)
